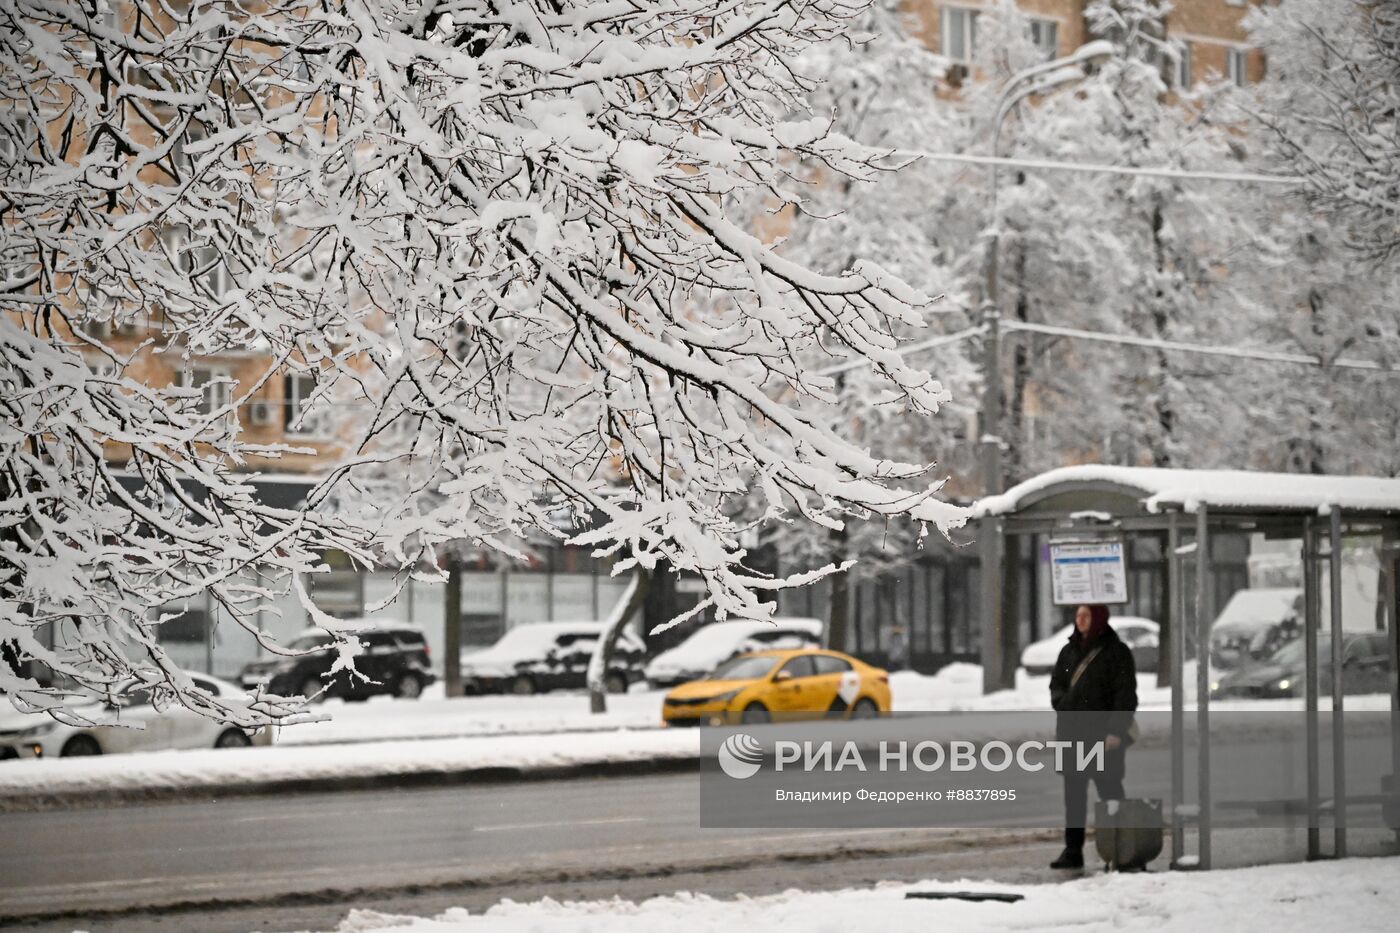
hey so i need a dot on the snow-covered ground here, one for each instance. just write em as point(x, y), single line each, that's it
point(435, 716)
point(959, 687)
point(1357, 895)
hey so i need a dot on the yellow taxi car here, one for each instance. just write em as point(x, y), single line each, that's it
point(803, 683)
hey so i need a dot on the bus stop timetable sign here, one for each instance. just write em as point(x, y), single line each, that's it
point(1088, 572)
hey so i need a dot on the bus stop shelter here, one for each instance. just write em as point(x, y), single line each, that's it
point(1185, 509)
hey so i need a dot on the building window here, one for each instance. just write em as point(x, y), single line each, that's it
point(297, 390)
point(206, 264)
point(183, 162)
point(959, 33)
point(102, 366)
point(1237, 66)
point(215, 385)
point(189, 627)
point(1045, 34)
point(1183, 65)
point(339, 593)
point(209, 268)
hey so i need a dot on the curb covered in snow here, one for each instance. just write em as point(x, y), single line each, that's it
point(139, 778)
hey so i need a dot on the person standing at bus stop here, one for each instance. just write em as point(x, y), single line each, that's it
point(1094, 674)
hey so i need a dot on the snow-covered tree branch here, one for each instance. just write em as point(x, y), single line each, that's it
point(498, 236)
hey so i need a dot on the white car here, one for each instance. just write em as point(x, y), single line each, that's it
point(711, 645)
point(537, 657)
point(1141, 635)
point(36, 735)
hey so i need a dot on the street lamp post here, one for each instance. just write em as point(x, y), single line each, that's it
point(999, 638)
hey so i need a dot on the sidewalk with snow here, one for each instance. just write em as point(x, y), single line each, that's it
point(1354, 895)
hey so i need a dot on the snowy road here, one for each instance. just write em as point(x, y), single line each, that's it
point(530, 833)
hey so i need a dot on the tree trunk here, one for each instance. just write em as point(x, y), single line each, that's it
point(629, 605)
point(1162, 444)
point(452, 630)
point(1014, 466)
point(838, 622)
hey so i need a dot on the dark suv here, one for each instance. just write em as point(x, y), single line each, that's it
point(394, 661)
point(1365, 669)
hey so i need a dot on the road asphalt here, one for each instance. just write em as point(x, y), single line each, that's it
point(301, 861)
point(347, 843)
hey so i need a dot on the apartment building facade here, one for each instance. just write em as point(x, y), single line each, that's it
point(1208, 37)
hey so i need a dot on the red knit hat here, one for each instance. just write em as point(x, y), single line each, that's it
point(1098, 621)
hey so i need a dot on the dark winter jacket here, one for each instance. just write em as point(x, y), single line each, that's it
point(1107, 686)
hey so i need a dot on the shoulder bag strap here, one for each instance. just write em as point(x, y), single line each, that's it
point(1079, 671)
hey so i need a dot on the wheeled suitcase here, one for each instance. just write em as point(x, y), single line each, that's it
point(1128, 833)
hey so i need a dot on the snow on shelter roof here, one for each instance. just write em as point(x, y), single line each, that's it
point(1162, 489)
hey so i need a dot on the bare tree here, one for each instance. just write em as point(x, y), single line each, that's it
point(1334, 110)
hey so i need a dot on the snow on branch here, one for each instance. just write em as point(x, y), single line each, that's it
point(497, 238)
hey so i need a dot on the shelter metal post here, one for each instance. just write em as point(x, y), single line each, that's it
point(1176, 658)
point(1339, 764)
point(1010, 627)
point(1390, 568)
point(991, 548)
point(1311, 610)
point(1204, 616)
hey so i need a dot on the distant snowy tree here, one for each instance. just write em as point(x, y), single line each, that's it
point(878, 85)
point(1303, 289)
point(1333, 109)
point(1112, 254)
point(498, 233)
point(1315, 280)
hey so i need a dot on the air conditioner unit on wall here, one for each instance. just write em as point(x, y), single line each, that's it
point(260, 414)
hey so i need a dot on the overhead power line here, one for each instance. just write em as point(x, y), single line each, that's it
point(1244, 353)
point(1096, 168)
point(918, 347)
point(1152, 343)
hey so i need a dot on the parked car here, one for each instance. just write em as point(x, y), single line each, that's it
point(713, 644)
point(1365, 669)
point(1254, 624)
point(31, 735)
point(541, 656)
point(781, 685)
point(395, 661)
point(1143, 636)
